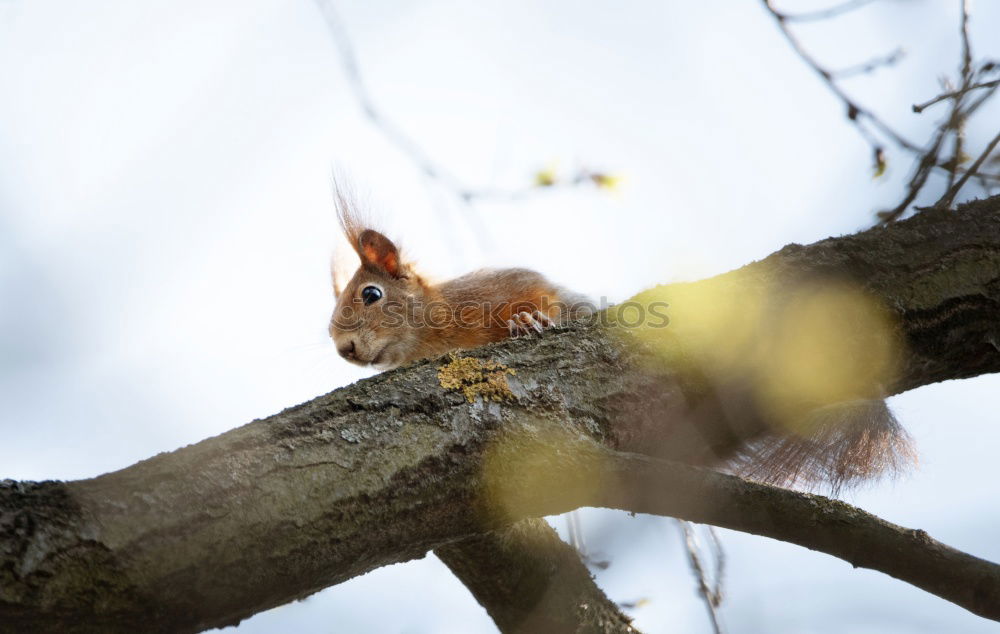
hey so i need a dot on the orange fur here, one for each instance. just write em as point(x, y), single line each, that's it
point(415, 319)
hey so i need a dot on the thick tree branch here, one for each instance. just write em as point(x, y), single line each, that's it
point(531, 581)
point(394, 466)
point(631, 482)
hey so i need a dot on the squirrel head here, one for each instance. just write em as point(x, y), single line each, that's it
point(375, 320)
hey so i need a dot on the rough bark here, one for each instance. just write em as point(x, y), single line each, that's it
point(389, 468)
point(531, 581)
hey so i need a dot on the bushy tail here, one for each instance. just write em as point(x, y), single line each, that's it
point(838, 446)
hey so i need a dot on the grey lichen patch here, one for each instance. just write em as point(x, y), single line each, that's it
point(474, 377)
point(350, 435)
point(369, 429)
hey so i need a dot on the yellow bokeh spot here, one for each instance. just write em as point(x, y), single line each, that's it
point(827, 344)
point(528, 467)
point(547, 176)
point(607, 181)
point(714, 324)
point(794, 347)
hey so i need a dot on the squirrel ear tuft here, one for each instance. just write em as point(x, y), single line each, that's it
point(379, 252)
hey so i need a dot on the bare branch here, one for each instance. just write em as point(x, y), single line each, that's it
point(919, 108)
point(949, 196)
point(954, 126)
point(530, 581)
point(811, 521)
point(870, 66)
point(711, 593)
point(957, 118)
point(966, 45)
point(412, 150)
point(826, 14)
point(921, 172)
point(928, 159)
point(392, 131)
point(856, 113)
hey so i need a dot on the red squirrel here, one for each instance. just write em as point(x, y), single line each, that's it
point(388, 315)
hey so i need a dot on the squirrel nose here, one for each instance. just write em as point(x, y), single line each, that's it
point(347, 351)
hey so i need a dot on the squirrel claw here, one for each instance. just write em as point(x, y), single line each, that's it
point(543, 319)
point(525, 323)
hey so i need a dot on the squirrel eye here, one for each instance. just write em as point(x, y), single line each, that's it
point(371, 294)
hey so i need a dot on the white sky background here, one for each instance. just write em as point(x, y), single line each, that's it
point(166, 225)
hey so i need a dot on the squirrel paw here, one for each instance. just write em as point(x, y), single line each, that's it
point(524, 323)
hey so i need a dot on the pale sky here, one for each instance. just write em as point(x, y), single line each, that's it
point(166, 227)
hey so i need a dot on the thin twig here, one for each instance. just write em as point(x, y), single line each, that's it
point(966, 46)
point(855, 112)
point(949, 197)
point(919, 108)
point(711, 593)
point(956, 121)
point(824, 14)
point(971, 109)
point(405, 144)
point(575, 533)
point(869, 66)
point(919, 178)
point(392, 132)
point(929, 160)
point(575, 529)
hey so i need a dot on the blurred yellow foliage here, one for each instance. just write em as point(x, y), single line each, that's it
point(547, 176)
point(610, 182)
point(815, 344)
point(537, 456)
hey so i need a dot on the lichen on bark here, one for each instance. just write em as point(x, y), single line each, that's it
point(475, 377)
